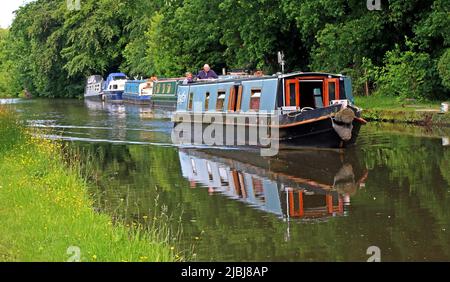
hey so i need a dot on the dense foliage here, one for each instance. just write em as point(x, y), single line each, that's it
point(402, 50)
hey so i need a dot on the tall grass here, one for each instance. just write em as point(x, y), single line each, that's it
point(380, 102)
point(47, 214)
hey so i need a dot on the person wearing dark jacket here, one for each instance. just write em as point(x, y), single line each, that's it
point(207, 73)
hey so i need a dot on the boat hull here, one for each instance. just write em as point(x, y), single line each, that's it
point(113, 96)
point(94, 97)
point(166, 102)
point(136, 99)
point(315, 128)
point(319, 134)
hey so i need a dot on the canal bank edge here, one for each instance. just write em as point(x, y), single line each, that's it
point(418, 117)
point(47, 212)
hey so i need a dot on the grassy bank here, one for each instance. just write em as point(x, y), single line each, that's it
point(391, 109)
point(45, 209)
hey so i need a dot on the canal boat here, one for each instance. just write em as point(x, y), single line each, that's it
point(94, 87)
point(165, 93)
point(138, 92)
point(317, 191)
point(304, 109)
point(114, 87)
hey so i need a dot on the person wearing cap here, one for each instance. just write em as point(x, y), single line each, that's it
point(207, 73)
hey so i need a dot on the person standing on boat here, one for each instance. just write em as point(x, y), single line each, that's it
point(207, 73)
point(189, 78)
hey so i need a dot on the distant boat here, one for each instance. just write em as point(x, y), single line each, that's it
point(312, 109)
point(114, 87)
point(94, 87)
point(165, 93)
point(138, 91)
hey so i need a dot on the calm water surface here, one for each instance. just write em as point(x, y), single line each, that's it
point(391, 191)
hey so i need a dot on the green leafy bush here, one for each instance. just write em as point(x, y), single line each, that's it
point(444, 68)
point(408, 74)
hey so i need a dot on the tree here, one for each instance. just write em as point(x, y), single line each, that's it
point(9, 86)
point(51, 49)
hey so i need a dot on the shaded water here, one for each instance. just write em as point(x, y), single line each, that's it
point(391, 191)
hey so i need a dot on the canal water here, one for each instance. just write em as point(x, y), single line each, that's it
point(390, 192)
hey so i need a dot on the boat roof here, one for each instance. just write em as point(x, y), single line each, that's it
point(240, 78)
point(325, 74)
point(116, 74)
point(95, 79)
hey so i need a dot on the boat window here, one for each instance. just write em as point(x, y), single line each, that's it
point(258, 189)
point(309, 91)
point(220, 101)
point(255, 99)
point(210, 173)
point(239, 184)
point(318, 97)
point(194, 167)
point(223, 177)
point(331, 91)
point(115, 86)
point(234, 104)
point(191, 101)
point(242, 185)
point(292, 95)
point(207, 102)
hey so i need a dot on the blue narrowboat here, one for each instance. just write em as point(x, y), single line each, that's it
point(114, 87)
point(311, 109)
point(138, 91)
point(305, 192)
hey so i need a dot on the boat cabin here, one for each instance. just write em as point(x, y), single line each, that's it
point(94, 86)
point(165, 92)
point(138, 91)
point(115, 82)
point(135, 87)
point(290, 92)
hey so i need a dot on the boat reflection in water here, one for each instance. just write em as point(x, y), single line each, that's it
point(122, 110)
point(307, 185)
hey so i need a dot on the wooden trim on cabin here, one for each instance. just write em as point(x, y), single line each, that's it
point(236, 182)
point(288, 93)
point(239, 100)
point(302, 122)
point(338, 88)
point(291, 203)
point(300, 212)
point(231, 99)
point(326, 95)
point(329, 200)
point(242, 186)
